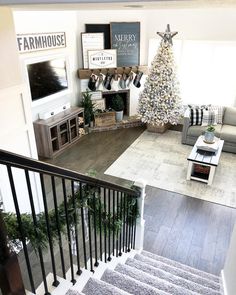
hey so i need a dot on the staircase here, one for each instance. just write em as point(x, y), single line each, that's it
point(147, 273)
point(111, 227)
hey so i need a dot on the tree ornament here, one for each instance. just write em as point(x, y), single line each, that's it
point(167, 35)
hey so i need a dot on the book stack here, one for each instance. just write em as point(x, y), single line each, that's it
point(209, 147)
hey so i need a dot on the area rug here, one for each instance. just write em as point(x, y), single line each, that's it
point(161, 161)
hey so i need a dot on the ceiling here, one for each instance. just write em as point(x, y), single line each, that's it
point(113, 4)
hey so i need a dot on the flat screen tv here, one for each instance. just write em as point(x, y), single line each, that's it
point(47, 77)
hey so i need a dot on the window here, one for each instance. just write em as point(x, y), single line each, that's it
point(206, 70)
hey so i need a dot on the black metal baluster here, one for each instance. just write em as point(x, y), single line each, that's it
point(124, 214)
point(68, 231)
point(135, 222)
point(120, 253)
point(105, 227)
point(100, 223)
point(117, 219)
point(113, 225)
point(23, 240)
point(55, 283)
point(58, 227)
point(83, 225)
point(126, 220)
point(79, 271)
point(129, 217)
point(95, 229)
point(90, 237)
point(109, 225)
point(132, 225)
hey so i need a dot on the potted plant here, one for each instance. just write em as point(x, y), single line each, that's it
point(117, 104)
point(209, 134)
point(88, 106)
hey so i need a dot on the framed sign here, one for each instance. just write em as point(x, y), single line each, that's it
point(125, 38)
point(98, 59)
point(40, 41)
point(100, 28)
point(91, 41)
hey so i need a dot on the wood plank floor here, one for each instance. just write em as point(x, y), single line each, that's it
point(182, 228)
point(188, 230)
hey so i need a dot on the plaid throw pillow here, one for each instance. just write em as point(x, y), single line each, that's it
point(220, 111)
point(196, 116)
point(209, 117)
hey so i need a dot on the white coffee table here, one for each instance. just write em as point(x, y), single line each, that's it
point(202, 164)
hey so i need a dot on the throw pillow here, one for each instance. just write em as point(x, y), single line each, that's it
point(220, 110)
point(198, 106)
point(196, 116)
point(209, 117)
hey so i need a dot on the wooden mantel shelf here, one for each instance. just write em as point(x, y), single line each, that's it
point(86, 73)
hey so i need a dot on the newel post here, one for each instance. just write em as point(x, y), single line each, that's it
point(11, 282)
point(141, 184)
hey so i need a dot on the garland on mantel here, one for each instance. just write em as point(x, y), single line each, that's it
point(90, 199)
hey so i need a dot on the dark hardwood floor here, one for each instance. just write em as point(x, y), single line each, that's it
point(182, 228)
point(188, 230)
point(97, 151)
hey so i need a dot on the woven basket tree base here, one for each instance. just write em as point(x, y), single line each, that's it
point(158, 128)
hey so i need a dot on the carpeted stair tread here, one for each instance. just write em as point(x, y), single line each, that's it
point(73, 292)
point(128, 284)
point(170, 277)
point(179, 272)
point(98, 287)
point(152, 281)
point(181, 266)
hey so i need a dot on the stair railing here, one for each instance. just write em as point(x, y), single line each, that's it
point(85, 218)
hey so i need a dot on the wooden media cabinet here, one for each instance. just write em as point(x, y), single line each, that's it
point(58, 132)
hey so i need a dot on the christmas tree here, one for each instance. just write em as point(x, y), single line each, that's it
point(160, 103)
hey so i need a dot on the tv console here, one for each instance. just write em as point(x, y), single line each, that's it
point(58, 132)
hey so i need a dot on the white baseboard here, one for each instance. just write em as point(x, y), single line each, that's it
point(224, 282)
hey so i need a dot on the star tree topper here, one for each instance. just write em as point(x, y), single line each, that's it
point(167, 35)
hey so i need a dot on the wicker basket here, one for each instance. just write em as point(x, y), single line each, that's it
point(158, 128)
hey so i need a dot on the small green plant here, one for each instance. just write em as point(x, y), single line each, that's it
point(88, 106)
point(117, 103)
point(92, 172)
point(88, 196)
point(210, 128)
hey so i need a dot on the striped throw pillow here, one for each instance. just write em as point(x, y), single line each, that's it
point(196, 116)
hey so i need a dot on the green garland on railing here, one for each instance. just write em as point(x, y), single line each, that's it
point(90, 199)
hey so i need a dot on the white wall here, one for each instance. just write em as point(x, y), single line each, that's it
point(9, 58)
point(192, 24)
point(229, 271)
point(50, 21)
point(17, 133)
point(216, 24)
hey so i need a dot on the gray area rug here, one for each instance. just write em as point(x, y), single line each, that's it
point(161, 160)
